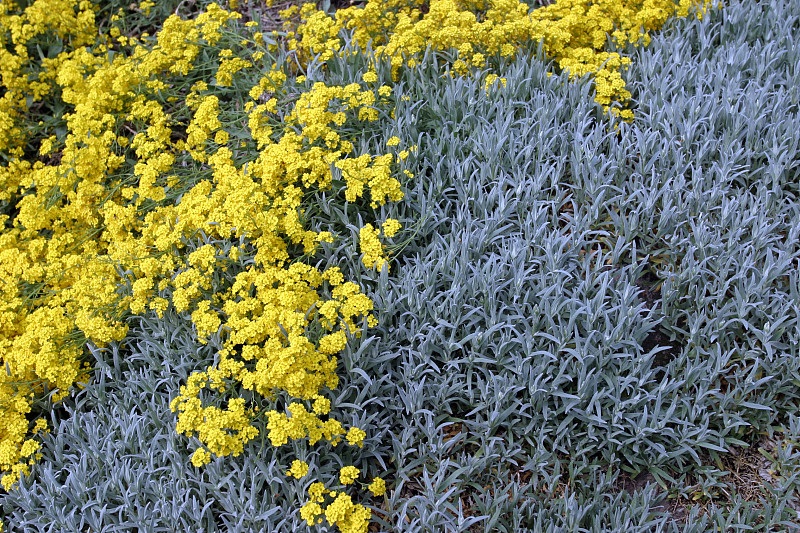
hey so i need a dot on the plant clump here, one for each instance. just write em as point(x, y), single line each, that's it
point(145, 173)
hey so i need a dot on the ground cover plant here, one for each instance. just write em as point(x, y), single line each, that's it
point(446, 266)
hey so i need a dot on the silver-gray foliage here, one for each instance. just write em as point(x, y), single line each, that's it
point(583, 303)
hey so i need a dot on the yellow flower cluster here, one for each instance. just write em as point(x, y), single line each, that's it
point(205, 122)
point(223, 432)
point(229, 65)
point(371, 246)
point(298, 470)
point(317, 36)
point(348, 475)
point(374, 172)
point(349, 517)
point(574, 32)
point(46, 282)
point(268, 309)
point(378, 487)
point(81, 221)
point(491, 81)
point(24, 80)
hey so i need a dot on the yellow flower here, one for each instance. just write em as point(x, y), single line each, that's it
point(348, 474)
point(200, 457)
point(310, 511)
point(391, 227)
point(355, 437)
point(322, 405)
point(317, 491)
point(377, 487)
point(372, 248)
point(299, 469)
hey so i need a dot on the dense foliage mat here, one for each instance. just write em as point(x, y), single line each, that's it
point(590, 324)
